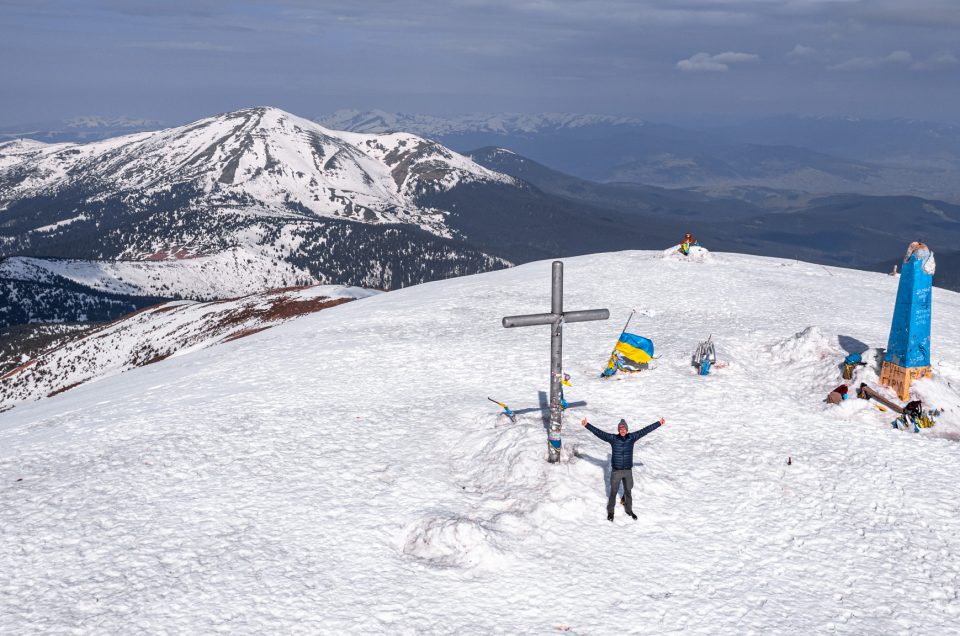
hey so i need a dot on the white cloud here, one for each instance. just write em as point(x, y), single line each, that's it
point(730, 57)
point(900, 57)
point(719, 63)
point(936, 62)
point(801, 52)
point(897, 58)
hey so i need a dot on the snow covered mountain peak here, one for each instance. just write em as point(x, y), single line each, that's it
point(259, 182)
point(259, 156)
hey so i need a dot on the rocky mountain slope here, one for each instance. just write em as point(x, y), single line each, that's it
point(260, 160)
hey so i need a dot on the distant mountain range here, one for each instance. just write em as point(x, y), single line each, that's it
point(78, 129)
point(258, 199)
point(809, 153)
point(851, 230)
point(819, 155)
point(891, 141)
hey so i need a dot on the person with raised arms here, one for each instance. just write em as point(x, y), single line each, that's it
point(621, 460)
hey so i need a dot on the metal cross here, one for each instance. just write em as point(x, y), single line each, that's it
point(555, 318)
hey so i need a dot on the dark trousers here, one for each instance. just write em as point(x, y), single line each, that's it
point(616, 476)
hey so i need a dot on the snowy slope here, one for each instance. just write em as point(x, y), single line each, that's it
point(231, 273)
point(160, 332)
point(344, 473)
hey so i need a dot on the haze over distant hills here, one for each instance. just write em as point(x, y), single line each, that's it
point(78, 129)
point(812, 154)
point(809, 153)
point(853, 230)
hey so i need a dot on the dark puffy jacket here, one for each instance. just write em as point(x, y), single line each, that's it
point(622, 447)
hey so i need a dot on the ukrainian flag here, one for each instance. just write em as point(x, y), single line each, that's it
point(632, 353)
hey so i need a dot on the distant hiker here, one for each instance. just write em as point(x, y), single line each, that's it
point(688, 242)
point(621, 460)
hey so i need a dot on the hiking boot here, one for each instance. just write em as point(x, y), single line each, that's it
point(609, 516)
point(632, 515)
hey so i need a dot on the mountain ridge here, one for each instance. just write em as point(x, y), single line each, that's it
point(273, 187)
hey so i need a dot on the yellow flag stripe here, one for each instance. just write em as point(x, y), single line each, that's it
point(633, 353)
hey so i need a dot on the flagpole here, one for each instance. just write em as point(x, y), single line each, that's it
point(622, 331)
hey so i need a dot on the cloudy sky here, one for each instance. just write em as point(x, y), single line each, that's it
point(183, 59)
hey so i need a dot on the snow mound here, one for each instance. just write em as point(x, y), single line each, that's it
point(697, 255)
point(941, 392)
point(452, 542)
point(811, 344)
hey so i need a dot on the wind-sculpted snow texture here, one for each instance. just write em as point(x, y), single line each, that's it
point(260, 180)
point(344, 472)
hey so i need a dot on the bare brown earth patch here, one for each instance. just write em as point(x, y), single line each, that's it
point(63, 389)
point(17, 370)
point(245, 333)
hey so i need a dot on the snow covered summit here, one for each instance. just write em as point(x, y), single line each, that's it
point(344, 472)
point(262, 155)
point(259, 185)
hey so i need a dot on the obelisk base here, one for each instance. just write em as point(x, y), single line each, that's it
point(899, 378)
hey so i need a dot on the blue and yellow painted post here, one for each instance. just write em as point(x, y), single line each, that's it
point(908, 348)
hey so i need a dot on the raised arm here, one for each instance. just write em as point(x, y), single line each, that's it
point(647, 429)
point(596, 431)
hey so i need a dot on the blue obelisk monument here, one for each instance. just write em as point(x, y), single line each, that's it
point(908, 348)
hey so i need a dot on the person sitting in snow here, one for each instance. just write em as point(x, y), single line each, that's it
point(621, 460)
point(688, 242)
